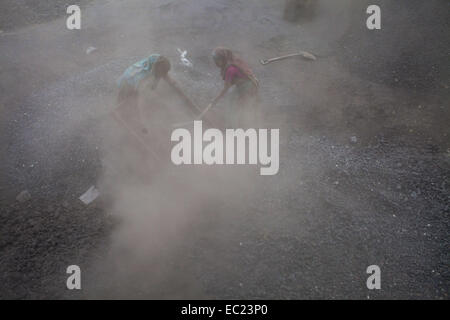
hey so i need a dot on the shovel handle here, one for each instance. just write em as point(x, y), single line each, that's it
point(200, 117)
point(267, 61)
point(303, 54)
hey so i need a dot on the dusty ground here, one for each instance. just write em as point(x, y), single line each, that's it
point(337, 205)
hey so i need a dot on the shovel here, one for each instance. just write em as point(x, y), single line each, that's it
point(303, 54)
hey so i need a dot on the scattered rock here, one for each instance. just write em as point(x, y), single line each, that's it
point(184, 60)
point(24, 196)
point(354, 139)
point(91, 50)
point(89, 195)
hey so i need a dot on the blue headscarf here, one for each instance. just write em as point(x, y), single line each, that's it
point(137, 72)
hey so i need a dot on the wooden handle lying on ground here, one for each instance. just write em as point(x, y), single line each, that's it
point(303, 54)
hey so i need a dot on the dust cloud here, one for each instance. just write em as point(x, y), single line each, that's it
point(165, 212)
point(162, 208)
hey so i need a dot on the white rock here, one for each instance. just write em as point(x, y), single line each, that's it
point(89, 195)
point(91, 50)
point(183, 58)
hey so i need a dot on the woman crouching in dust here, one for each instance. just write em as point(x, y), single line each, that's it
point(236, 73)
point(138, 77)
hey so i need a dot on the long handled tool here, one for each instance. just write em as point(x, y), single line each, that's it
point(136, 136)
point(200, 117)
point(303, 54)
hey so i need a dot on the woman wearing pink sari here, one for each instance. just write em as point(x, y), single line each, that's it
point(237, 75)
